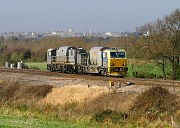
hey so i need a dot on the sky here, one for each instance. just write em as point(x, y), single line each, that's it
point(81, 15)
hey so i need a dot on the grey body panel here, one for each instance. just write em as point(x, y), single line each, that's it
point(96, 55)
point(51, 53)
point(66, 54)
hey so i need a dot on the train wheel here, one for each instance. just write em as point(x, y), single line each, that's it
point(79, 70)
point(49, 68)
point(83, 71)
point(53, 69)
point(104, 72)
point(101, 73)
point(71, 71)
point(63, 69)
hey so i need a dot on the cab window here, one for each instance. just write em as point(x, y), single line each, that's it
point(117, 54)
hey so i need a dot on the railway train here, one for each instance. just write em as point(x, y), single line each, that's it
point(98, 60)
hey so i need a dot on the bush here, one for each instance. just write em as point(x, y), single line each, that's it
point(14, 91)
point(141, 74)
point(156, 100)
point(7, 92)
point(109, 115)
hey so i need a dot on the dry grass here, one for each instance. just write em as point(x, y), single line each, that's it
point(157, 99)
point(156, 105)
point(80, 102)
point(112, 101)
point(91, 99)
point(74, 93)
point(14, 91)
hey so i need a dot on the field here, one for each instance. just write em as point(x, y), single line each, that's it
point(143, 69)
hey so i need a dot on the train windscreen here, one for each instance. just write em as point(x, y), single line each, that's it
point(117, 54)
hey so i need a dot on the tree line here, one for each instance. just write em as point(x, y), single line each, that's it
point(13, 49)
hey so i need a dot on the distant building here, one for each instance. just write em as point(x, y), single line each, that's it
point(69, 33)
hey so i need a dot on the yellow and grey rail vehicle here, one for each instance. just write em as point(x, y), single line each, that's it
point(98, 60)
point(108, 61)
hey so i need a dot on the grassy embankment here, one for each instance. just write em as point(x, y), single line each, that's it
point(22, 106)
point(77, 106)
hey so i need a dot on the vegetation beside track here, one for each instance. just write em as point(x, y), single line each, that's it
point(23, 104)
point(138, 69)
point(146, 69)
point(38, 66)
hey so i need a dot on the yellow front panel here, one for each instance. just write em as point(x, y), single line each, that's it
point(116, 66)
point(118, 62)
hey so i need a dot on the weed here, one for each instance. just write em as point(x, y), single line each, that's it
point(109, 115)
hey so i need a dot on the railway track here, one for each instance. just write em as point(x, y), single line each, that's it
point(135, 81)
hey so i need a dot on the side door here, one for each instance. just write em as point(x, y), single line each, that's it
point(72, 55)
point(105, 60)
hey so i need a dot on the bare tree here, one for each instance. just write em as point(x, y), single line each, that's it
point(162, 40)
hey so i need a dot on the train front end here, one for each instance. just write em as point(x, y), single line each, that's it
point(117, 62)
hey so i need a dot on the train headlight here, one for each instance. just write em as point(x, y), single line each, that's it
point(124, 64)
point(112, 64)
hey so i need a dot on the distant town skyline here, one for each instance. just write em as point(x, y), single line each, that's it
point(81, 15)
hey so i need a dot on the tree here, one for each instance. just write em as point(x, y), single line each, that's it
point(162, 40)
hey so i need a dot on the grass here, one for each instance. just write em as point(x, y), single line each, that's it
point(145, 69)
point(21, 106)
point(39, 66)
point(7, 121)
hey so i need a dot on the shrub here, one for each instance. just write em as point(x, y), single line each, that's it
point(109, 115)
point(139, 74)
point(15, 91)
point(156, 102)
point(8, 91)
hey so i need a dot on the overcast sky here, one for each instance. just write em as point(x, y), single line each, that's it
point(81, 15)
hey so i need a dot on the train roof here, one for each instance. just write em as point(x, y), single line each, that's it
point(115, 50)
point(99, 48)
point(66, 47)
point(51, 49)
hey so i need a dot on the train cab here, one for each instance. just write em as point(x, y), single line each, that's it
point(115, 61)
